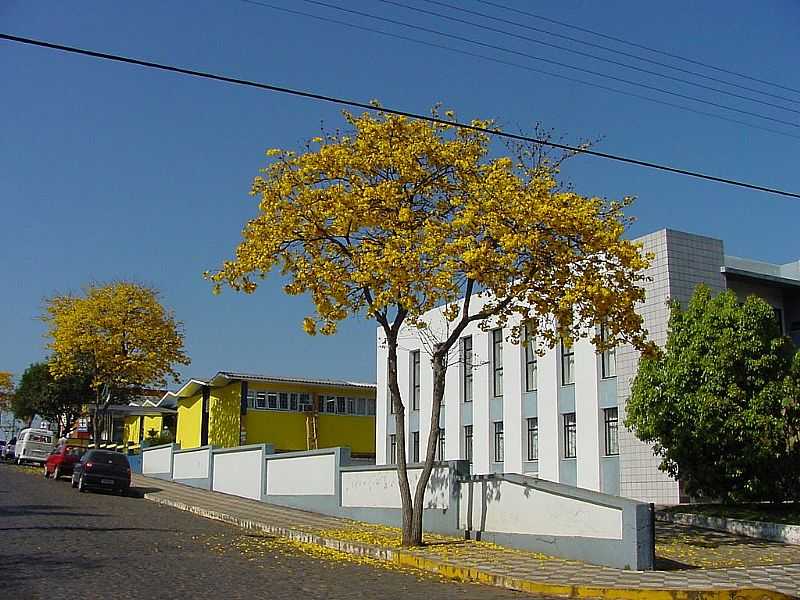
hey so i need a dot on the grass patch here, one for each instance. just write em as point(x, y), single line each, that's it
point(787, 513)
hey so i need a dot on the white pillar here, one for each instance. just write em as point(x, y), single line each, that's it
point(453, 407)
point(482, 394)
point(549, 419)
point(382, 412)
point(587, 415)
point(425, 400)
point(512, 404)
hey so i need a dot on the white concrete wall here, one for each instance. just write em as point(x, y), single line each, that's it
point(301, 475)
point(191, 464)
point(238, 473)
point(379, 488)
point(157, 461)
point(512, 508)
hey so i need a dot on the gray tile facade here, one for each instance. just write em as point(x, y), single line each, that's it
point(680, 262)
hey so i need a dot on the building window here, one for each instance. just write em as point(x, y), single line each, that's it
point(341, 405)
point(351, 406)
point(466, 365)
point(608, 359)
point(468, 443)
point(415, 380)
point(611, 418)
point(283, 398)
point(362, 406)
point(392, 449)
point(330, 404)
point(261, 400)
point(293, 401)
point(371, 407)
point(567, 364)
point(497, 361)
point(415, 446)
point(570, 442)
point(530, 359)
point(533, 438)
point(303, 402)
point(440, 445)
point(251, 399)
point(499, 449)
point(272, 401)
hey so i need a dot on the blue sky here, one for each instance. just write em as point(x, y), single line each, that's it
point(110, 171)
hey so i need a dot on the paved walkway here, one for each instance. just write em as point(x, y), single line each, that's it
point(481, 561)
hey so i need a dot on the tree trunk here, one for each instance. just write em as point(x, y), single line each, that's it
point(439, 365)
point(400, 424)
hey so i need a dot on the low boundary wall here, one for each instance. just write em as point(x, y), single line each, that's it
point(510, 510)
point(157, 461)
point(193, 466)
point(561, 520)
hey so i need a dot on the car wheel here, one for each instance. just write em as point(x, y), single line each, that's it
point(73, 482)
point(45, 473)
point(57, 473)
point(81, 485)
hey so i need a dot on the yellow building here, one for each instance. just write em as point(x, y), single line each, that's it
point(233, 409)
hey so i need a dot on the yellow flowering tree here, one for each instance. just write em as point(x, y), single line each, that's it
point(398, 216)
point(6, 389)
point(119, 336)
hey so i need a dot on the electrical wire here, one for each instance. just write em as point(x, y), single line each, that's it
point(636, 45)
point(613, 50)
point(517, 65)
point(578, 52)
point(553, 62)
point(392, 111)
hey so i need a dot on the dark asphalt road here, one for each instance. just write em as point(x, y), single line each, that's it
point(58, 543)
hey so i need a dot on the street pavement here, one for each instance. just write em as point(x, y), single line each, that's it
point(58, 543)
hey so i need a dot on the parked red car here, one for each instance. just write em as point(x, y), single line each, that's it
point(62, 461)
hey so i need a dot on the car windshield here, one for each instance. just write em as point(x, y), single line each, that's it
point(41, 438)
point(72, 451)
point(114, 458)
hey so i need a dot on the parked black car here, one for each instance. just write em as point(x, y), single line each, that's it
point(102, 469)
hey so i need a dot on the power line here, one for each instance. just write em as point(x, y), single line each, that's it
point(516, 65)
point(392, 111)
point(576, 52)
point(635, 45)
point(553, 62)
point(613, 50)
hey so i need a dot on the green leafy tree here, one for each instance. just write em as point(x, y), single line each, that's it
point(720, 403)
point(55, 400)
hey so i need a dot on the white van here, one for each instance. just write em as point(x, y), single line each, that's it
point(34, 445)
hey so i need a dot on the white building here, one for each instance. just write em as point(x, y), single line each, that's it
point(560, 416)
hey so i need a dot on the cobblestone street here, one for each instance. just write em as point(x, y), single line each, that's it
point(58, 543)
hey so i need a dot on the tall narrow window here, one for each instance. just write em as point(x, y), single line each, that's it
point(468, 443)
point(415, 446)
point(466, 365)
point(530, 359)
point(440, 445)
point(611, 418)
point(371, 406)
point(362, 406)
point(392, 449)
point(570, 442)
point(341, 405)
point(415, 380)
point(608, 359)
point(497, 361)
point(293, 401)
point(283, 399)
point(330, 404)
point(499, 449)
point(261, 400)
point(272, 401)
point(567, 364)
point(533, 438)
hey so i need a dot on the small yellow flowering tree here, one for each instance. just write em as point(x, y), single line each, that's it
point(6, 389)
point(400, 216)
point(119, 335)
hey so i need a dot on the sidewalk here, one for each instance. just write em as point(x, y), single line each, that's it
point(480, 561)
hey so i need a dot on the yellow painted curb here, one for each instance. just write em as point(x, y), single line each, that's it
point(406, 558)
point(579, 591)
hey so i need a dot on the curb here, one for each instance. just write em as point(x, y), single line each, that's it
point(764, 530)
point(474, 575)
